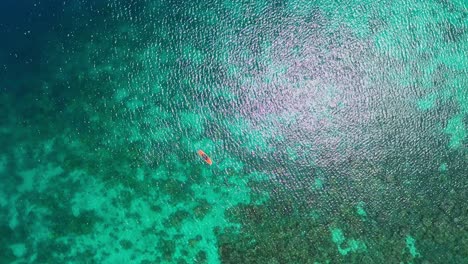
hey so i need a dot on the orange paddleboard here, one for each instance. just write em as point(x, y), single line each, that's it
point(204, 156)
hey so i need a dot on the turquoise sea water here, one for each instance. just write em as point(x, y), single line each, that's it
point(337, 130)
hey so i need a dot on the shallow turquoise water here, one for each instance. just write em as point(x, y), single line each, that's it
point(337, 132)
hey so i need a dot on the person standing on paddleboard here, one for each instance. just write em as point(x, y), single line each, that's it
point(205, 157)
